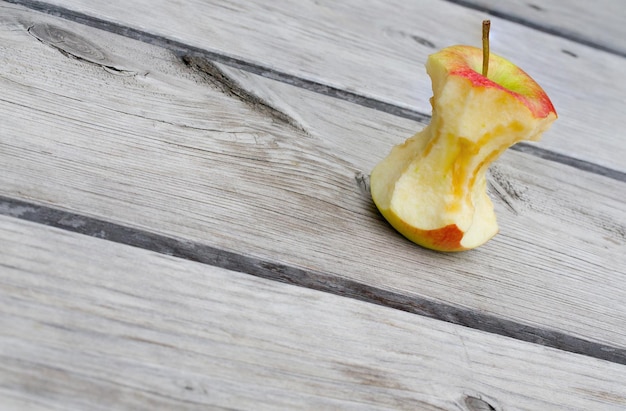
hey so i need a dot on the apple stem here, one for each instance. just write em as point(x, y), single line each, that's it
point(486, 26)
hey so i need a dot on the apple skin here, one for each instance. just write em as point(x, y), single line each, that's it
point(466, 62)
point(446, 238)
point(432, 188)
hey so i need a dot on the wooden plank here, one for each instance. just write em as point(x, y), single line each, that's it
point(600, 24)
point(90, 324)
point(377, 49)
point(151, 144)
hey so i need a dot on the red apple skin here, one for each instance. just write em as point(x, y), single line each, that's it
point(446, 238)
point(466, 62)
point(539, 104)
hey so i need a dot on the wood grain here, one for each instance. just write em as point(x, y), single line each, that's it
point(90, 324)
point(599, 24)
point(151, 143)
point(377, 48)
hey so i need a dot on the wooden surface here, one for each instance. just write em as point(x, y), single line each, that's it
point(377, 49)
point(80, 318)
point(598, 24)
point(214, 168)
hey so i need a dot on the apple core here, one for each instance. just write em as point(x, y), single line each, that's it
point(432, 188)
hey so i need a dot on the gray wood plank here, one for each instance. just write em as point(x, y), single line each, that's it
point(90, 324)
point(152, 144)
point(377, 48)
point(600, 24)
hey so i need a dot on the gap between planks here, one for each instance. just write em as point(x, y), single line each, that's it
point(205, 254)
point(538, 26)
point(183, 49)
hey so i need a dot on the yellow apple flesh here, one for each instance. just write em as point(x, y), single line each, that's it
point(432, 188)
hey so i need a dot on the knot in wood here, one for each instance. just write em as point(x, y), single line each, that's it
point(477, 404)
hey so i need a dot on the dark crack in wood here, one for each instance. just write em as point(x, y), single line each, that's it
point(222, 82)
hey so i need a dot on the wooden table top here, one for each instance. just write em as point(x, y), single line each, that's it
point(185, 222)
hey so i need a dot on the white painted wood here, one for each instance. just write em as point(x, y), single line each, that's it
point(377, 48)
point(157, 147)
point(90, 324)
point(601, 22)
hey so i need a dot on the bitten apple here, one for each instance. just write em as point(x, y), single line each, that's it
point(432, 188)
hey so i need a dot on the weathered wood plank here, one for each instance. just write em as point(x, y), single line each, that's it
point(90, 324)
point(152, 144)
point(378, 48)
point(600, 24)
